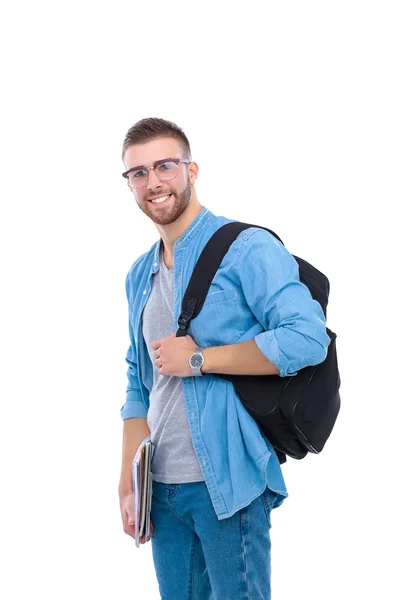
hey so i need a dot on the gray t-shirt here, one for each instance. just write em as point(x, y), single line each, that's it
point(174, 458)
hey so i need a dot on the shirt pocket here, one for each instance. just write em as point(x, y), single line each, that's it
point(219, 322)
point(218, 297)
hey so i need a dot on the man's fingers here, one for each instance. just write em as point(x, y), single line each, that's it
point(143, 539)
point(129, 528)
point(155, 344)
point(128, 518)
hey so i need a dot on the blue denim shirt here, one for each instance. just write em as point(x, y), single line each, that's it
point(256, 294)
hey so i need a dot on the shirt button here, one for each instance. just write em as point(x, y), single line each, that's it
point(155, 264)
point(192, 415)
point(145, 292)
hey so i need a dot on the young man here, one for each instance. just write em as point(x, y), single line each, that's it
point(216, 476)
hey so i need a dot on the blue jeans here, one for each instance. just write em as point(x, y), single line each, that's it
point(197, 557)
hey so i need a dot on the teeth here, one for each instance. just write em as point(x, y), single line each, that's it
point(159, 200)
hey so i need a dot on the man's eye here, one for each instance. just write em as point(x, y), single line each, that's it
point(166, 166)
point(137, 174)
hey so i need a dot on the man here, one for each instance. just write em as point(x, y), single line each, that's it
point(216, 475)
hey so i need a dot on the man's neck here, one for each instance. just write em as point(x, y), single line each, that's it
point(170, 233)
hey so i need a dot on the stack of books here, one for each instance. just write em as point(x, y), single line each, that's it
point(142, 488)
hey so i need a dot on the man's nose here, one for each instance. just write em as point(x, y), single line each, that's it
point(153, 182)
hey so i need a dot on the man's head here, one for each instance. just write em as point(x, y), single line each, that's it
point(146, 144)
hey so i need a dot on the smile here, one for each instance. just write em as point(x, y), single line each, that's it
point(160, 200)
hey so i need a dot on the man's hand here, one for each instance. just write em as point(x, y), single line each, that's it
point(172, 355)
point(126, 502)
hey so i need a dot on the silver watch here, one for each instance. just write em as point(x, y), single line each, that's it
point(196, 361)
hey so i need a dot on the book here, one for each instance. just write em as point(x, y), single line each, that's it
point(142, 488)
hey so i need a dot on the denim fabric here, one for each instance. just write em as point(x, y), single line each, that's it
point(255, 294)
point(198, 557)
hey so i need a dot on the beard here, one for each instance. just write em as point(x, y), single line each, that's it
point(175, 208)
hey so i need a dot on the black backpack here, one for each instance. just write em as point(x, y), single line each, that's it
point(296, 413)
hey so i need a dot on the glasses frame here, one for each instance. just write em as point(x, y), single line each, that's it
point(155, 165)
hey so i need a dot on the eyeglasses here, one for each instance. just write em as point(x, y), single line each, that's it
point(165, 170)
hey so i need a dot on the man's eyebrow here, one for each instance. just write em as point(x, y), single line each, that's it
point(157, 162)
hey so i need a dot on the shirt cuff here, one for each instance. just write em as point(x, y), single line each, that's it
point(268, 345)
point(133, 407)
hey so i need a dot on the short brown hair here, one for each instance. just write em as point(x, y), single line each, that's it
point(152, 128)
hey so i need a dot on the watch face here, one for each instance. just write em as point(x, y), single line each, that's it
point(196, 361)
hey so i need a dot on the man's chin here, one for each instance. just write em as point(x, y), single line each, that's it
point(168, 213)
point(164, 217)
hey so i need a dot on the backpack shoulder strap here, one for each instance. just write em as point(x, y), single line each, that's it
point(205, 269)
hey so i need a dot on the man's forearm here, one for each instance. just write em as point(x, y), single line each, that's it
point(134, 432)
point(244, 358)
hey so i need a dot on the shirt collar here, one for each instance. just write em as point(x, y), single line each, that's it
point(194, 228)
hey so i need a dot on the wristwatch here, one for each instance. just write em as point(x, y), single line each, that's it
point(196, 361)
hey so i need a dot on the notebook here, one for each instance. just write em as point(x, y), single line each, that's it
point(142, 488)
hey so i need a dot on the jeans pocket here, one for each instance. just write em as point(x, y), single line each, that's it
point(268, 499)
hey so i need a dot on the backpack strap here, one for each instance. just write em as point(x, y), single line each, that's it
point(206, 268)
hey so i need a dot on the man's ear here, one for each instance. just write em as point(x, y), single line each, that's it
point(193, 170)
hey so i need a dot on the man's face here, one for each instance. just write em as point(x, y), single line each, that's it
point(178, 189)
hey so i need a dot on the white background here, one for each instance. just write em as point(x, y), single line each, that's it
point(292, 111)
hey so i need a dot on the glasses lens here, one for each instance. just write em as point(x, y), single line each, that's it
point(137, 178)
point(167, 170)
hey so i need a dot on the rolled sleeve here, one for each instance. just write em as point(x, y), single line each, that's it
point(294, 323)
point(134, 405)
